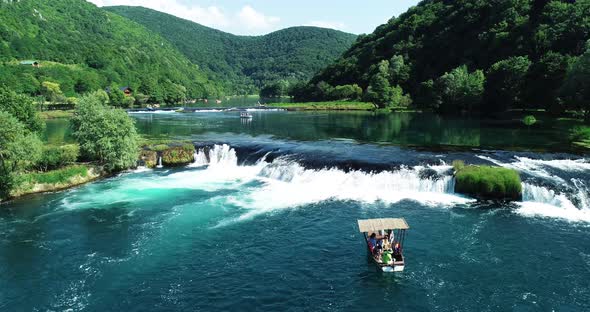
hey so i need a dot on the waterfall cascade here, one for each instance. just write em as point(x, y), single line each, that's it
point(159, 162)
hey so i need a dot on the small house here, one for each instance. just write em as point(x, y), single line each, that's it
point(126, 90)
point(30, 63)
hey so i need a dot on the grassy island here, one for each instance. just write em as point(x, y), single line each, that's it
point(486, 182)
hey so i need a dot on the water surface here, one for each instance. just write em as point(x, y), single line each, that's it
point(265, 219)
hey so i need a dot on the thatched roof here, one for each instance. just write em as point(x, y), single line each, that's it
point(374, 225)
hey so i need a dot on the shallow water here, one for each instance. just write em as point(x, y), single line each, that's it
point(268, 222)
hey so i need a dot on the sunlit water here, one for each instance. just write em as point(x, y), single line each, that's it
point(265, 219)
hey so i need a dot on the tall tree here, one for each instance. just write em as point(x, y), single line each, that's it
point(504, 88)
point(105, 135)
point(576, 89)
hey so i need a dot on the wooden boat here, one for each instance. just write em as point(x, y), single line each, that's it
point(392, 233)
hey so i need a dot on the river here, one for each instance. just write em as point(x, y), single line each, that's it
point(265, 219)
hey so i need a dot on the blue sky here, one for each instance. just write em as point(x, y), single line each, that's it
point(256, 17)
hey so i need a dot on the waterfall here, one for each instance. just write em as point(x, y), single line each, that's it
point(159, 162)
point(217, 156)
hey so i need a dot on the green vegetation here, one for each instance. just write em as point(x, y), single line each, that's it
point(54, 157)
point(178, 155)
point(59, 179)
point(19, 149)
point(245, 64)
point(485, 182)
point(21, 107)
point(104, 134)
point(576, 89)
point(59, 176)
point(56, 114)
point(471, 56)
point(82, 48)
point(335, 105)
point(581, 136)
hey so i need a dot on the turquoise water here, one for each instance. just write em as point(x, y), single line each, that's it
point(268, 222)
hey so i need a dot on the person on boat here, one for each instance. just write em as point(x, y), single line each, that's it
point(386, 243)
point(386, 257)
point(397, 249)
point(373, 240)
point(377, 252)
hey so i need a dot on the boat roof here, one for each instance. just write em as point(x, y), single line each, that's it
point(374, 225)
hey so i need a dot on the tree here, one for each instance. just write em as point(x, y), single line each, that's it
point(19, 148)
point(459, 90)
point(23, 108)
point(379, 90)
point(399, 72)
point(116, 97)
point(105, 135)
point(505, 84)
point(51, 91)
point(347, 92)
point(576, 88)
point(544, 80)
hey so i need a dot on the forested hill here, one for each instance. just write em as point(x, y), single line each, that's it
point(85, 48)
point(467, 55)
point(246, 63)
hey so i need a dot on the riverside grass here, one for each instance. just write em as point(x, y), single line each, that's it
point(334, 105)
point(55, 180)
point(486, 182)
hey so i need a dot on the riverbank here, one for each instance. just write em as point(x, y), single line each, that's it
point(336, 105)
point(57, 180)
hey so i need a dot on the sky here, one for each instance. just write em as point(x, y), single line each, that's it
point(258, 17)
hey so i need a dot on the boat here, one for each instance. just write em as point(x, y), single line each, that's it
point(245, 115)
point(391, 232)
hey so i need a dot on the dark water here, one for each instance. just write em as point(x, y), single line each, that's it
point(268, 223)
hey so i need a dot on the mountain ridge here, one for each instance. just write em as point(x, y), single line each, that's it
point(246, 63)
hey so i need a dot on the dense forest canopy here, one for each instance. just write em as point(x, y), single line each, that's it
point(466, 55)
point(246, 63)
point(84, 48)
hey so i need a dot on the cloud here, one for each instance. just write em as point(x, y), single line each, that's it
point(245, 21)
point(326, 24)
point(254, 20)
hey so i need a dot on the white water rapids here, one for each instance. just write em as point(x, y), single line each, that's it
point(286, 184)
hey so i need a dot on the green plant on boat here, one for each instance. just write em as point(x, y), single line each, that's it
point(486, 182)
point(529, 120)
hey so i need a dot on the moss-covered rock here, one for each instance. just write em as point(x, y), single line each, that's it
point(178, 155)
point(148, 158)
point(485, 182)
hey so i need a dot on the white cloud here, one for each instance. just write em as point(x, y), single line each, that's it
point(245, 21)
point(256, 21)
point(326, 24)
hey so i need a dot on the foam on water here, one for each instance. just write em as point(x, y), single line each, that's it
point(539, 200)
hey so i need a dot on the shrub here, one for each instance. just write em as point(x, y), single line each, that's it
point(458, 165)
point(59, 176)
point(178, 156)
point(54, 157)
point(158, 147)
point(485, 182)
